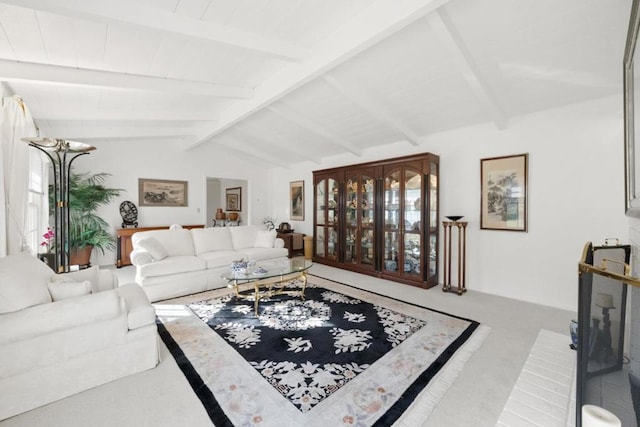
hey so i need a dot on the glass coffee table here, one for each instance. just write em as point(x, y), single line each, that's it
point(268, 279)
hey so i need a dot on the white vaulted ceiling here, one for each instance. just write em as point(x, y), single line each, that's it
point(306, 79)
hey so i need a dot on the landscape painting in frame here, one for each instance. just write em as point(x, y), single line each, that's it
point(234, 199)
point(296, 192)
point(162, 192)
point(504, 193)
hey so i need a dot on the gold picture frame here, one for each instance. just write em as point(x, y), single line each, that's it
point(162, 192)
point(296, 200)
point(503, 192)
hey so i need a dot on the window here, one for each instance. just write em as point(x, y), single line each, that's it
point(38, 201)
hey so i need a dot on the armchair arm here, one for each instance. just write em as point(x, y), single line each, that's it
point(107, 279)
point(140, 257)
point(47, 318)
point(279, 243)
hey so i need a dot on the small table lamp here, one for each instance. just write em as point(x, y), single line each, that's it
point(605, 301)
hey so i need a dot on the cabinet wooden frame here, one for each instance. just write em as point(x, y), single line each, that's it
point(352, 235)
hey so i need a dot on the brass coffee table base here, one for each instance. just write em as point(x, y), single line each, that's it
point(270, 286)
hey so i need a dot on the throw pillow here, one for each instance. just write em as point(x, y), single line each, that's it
point(154, 247)
point(265, 239)
point(90, 274)
point(23, 282)
point(65, 290)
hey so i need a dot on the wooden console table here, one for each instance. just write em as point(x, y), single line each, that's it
point(294, 243)
point(123, 241)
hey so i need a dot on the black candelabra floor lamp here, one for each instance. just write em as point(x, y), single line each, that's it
point(62, 153)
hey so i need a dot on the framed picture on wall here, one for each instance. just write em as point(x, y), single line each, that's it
point(234, 199)
point(504, 193)
point(296, 196)
point(162, 192)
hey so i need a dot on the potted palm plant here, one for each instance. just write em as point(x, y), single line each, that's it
point(87, 230)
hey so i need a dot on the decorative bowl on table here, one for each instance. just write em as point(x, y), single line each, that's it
point(455, 218)
point(239, 267)
point(260, 270)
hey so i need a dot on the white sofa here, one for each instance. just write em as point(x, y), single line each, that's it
point(172, 263)
point(61, 334)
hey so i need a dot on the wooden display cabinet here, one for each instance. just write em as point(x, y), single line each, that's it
point(380, 218)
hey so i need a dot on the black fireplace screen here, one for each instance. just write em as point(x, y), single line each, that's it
point(605, 376)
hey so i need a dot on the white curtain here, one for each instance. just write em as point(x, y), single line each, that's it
point(15, 123)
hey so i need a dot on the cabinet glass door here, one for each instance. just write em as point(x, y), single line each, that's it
point(321, 217)
point(391, 222)
point(432, 250)
point(327, 215)
point(412, 249)
point(403, 223)
point(366, 213)
point(332, 220)
point(360, 220)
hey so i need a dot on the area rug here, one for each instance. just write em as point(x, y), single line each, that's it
point(341, 356)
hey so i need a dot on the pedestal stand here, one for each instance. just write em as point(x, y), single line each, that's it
point(462, 227)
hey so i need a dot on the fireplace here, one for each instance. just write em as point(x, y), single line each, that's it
point(608, 368)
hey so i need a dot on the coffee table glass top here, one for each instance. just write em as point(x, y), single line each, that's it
point(268, 269)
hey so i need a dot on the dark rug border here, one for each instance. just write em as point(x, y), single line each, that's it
point(220, 419)
point(210, 403)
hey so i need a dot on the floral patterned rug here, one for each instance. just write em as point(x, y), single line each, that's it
point(341, 356)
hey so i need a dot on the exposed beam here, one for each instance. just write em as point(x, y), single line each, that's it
point(295, 149)
point(44, 73)
point(242, 147)
point(100, 132)
point(82, 113)
point(133, 13)
point(380, 20)
point(5, 90)
point(446, 31)
point(311, 126)
point(363, 99)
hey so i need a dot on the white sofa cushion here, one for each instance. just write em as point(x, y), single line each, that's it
point(176, 242)
point(23, 282)
point(243, 236)
point(220, 258)
point(90, 274)
point(265, 239)
point(154, 247)
point(60, 315)
point(211, 239)
point(66, 290)
point(262, 254)
point(172, 265)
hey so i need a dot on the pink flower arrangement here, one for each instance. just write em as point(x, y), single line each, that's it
point(48, 238)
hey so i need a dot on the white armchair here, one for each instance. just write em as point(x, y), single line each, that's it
point(62, 334)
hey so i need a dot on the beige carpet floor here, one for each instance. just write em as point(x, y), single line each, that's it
point(162, 397)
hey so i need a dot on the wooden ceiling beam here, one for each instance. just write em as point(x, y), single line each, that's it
point(236, 144)
point(133, 13)
point(79, 132)
point(260, 138)
point(312, 126)
point(441, 24)
point(92, 114)
point(380, 20)
point(55, 74)
point(364, 99)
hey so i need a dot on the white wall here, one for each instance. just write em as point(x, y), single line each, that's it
point(576, 194)
point(128, 162)
point(214, 200)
